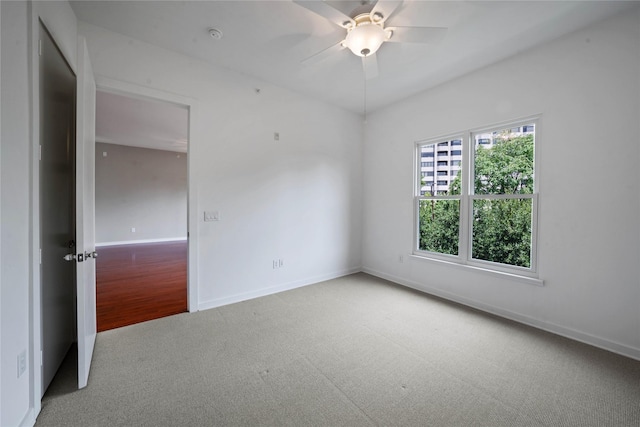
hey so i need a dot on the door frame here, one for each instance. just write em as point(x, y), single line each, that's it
point(105, 84)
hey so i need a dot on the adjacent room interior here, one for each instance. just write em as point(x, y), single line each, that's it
point(141, 209)
point(339, 211)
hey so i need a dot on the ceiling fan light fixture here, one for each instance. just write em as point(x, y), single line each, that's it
point(365, 38)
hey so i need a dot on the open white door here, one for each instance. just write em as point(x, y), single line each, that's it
point(85, 212)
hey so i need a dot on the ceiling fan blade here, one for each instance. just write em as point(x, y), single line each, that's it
point(323, 54)
point(370, 66)
point(385, 8)
point(416, 34)
point(323, 9)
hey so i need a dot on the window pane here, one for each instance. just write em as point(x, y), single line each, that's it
point(439, 223)
point(453, 185)
point(502, 231)
point(504, 165)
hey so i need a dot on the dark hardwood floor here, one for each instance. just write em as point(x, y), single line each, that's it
point(136, 283)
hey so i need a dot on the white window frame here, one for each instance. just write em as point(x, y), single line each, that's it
point(467, 197)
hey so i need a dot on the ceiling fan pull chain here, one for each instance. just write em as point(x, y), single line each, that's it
point(365, 99)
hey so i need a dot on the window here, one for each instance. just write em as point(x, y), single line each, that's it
point(427, 164)
point(443, 144)
point(455, 162)
point(456, 152)
point(486, 215)
point(456, 142)
point(443, 153)
point(442, 163)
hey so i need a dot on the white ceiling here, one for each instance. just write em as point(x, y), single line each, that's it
point(269, 39)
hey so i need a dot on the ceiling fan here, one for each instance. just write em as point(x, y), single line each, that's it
point(366, 30)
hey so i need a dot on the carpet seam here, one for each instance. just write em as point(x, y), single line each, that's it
point(339, 390)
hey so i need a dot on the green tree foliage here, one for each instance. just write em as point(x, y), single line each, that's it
point(439, 224)
point(506, 168)
point(501, 228)
point(502, 231)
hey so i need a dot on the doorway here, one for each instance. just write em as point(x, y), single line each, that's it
point(57, 206)
point(141, 208)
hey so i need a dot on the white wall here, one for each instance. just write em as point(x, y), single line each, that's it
point(296, 199)
point(17, 275)
point(587, 88)
point(0, 210)
point(143, 189)
point(15, 205)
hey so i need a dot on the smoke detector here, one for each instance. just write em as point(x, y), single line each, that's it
point(215, 33)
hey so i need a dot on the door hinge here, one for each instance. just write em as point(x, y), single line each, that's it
point(39, 152)
point(39, 47)
point(40, 256)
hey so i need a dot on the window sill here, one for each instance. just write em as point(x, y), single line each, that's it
point(501, 274)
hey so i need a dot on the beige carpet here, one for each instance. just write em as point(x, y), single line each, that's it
point(355, 351)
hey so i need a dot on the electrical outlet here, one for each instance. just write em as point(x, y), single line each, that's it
point(275, 264)
point(400, 259)
point(280, 262)
point(133, 229)
point(276, 136)
point(22, 363)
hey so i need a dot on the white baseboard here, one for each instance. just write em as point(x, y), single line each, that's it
point(137, 242)
point(573, 334)
point(219, 302)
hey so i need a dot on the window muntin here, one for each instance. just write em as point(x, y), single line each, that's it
point(496, 208)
